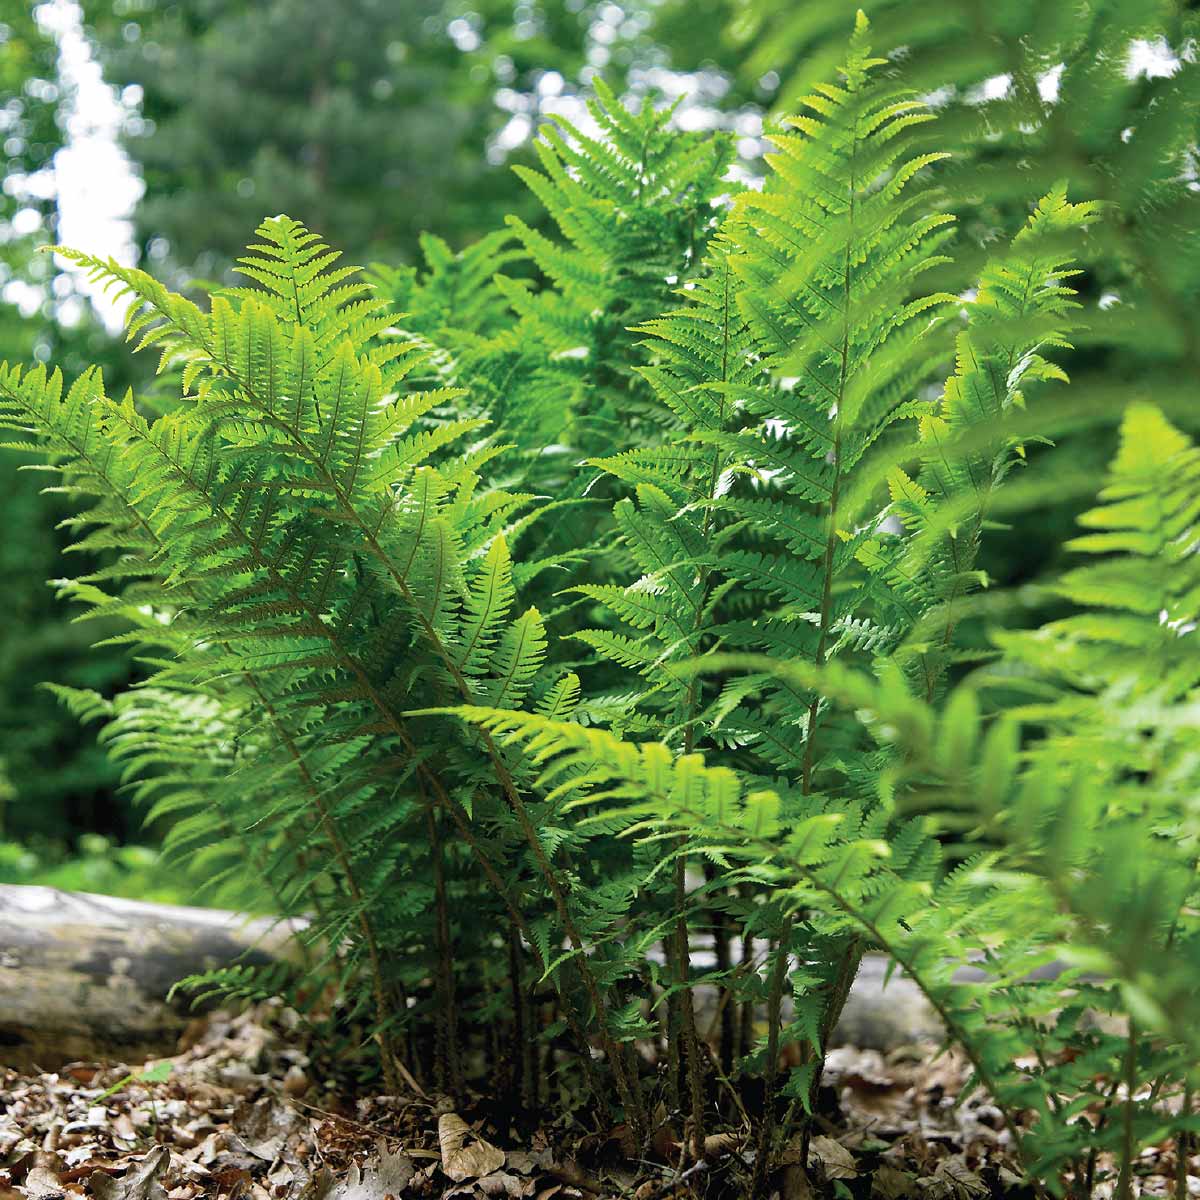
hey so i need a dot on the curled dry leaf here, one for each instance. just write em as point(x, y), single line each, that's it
point(504, 1184)
point(465, 1155)
point(717, 1144)
point(140, 1182)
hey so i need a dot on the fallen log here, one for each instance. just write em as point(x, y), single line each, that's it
point(883, 1013)
point(87, 977)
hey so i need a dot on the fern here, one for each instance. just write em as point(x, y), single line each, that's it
point(815, 344)
point(249, 544)
point(1019, 313)
point(603, 612)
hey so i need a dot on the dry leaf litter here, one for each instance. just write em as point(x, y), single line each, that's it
point(238, 1118)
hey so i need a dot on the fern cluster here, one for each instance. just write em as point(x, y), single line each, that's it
point(533, 639)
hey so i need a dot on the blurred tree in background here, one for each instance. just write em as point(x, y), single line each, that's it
point(53, 778)
point(377, 126)
point(31, 94)
point(369, 123)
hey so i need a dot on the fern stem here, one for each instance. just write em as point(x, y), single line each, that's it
point(625, 1088)
point(1125, 1177)
point(1089, 1177)
point(779, 975)
point(355, 668)
point(763, 1154)
point(521, 1052)
point(674, 1027)
point(393, 1068)
point(687, 1011)
point(1183, 1146)
point(683, 966)
point(848, 966)
point(447, 1059)
point(628, 1094)
point(745, 1028)
point(910, 967)
point(725, 1015)
point(462, 823)
point(629, 1097)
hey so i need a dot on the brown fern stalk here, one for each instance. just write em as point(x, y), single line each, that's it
point(1183, 1147)
point(1128, 1110)
point(355, 668)
point(447, 1059)
point(521, 1049)
point(779, 979)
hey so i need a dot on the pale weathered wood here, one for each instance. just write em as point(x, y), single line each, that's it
point(86, 977)
point(882, 1013)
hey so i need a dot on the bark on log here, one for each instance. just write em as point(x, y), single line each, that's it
point(87, 977)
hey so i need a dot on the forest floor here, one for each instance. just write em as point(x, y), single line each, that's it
point(236, 1115)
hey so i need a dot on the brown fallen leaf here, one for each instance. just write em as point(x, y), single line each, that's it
point(503, 1183)
point(319, 1186)
point(527, 1162)
point(953, 1180)
point(890, 1183)
point(123, 1131)
point(264, 1127)
point(15, 1147)
point(465, 1155)
point(717, 1144)
point(386, 1175)
point(140, 1181)
point(42, 1183)
point(835, 1159)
